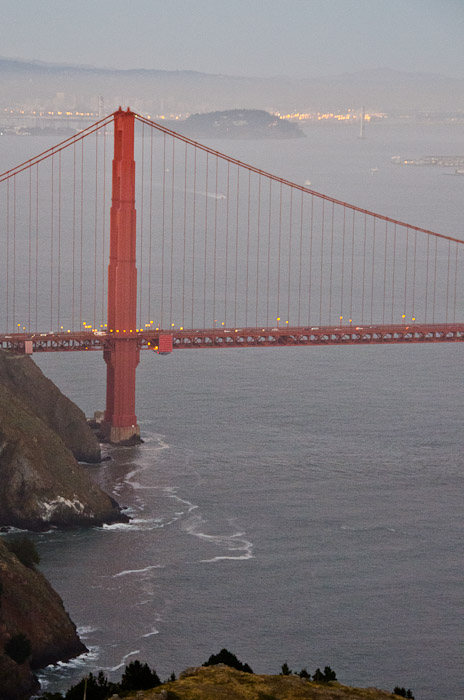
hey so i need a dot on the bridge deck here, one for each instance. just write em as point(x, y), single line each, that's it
point(239, 337)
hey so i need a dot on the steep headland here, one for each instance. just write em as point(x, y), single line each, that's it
point(29, 606)
point(41, 483)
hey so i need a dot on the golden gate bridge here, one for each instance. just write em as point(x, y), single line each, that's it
point(221, 254)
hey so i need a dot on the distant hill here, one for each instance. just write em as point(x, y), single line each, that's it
point(170, 92)
point(236, 124)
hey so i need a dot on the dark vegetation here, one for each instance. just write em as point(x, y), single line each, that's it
point(138, 676)
point(24, 548)
point(228, 659)
point(18, 648)
point(403, 692)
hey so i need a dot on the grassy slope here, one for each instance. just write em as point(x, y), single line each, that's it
point(223, 683)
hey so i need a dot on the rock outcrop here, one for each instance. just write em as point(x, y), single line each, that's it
point(29, 606)
point(41, 483)
point(31, 387)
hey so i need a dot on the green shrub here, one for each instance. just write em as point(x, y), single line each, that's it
point(228, 659)
point(18, 648)
point(96, 688)
point(304, 674)
point(139, 676)
point(402, 692)
point(24, 548)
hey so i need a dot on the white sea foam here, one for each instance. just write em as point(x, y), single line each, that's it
point(232, 543)
point(124, 659)
point(127, 572)
point(150, 634)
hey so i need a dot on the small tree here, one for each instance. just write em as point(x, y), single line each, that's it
point(329, 675)
point(304, 674)
point(228, 659)
point(402, 692)
point(95, 687)
point(318, 676)
point(285, 670)
point(18, 648)
point(139, 676)
point(24, 548)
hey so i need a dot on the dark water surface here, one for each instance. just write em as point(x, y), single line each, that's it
point(299, 505)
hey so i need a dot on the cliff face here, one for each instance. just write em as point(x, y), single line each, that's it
point(25, 380)
point(41, 484)
point(29, 606)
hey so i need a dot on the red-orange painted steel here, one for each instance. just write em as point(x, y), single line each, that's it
point(122, 357)
point(216, 338)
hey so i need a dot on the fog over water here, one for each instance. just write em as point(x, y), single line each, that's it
point(300, 504)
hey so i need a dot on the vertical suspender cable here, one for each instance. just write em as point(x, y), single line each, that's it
point(172, 234)
point(448, 280)
point(215, 242)
point(373, 269)
point(205, 249)
point(364, 268)
point(352, 265)
point(322, 261)
point(30, 253)
point(300, 259)
point(150, 226)
point(331, 261)
point(247, 263)
point(413, 314)
point(184, 236)
point(226, 279)
point(95, 236)
point(58, 300)
point(393, 273)
point(406, 273)
point(342, 281)
point(290, 256)
point(194, 231)
point(426, 291)
point(258, 251)
point(236, 244)
point(268, 253)
point(385, 273)
point(163, 233)
point(310, 280)
point(142, 211)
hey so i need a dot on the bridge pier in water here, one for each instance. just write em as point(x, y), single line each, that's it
point(119, 424)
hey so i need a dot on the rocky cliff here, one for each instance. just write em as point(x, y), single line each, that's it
point(41, 483)
point(29, 606)
point(26, 381)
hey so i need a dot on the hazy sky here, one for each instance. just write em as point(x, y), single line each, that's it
point(302, 38)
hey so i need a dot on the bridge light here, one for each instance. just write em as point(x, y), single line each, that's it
point(69, 331)
point(403, 316)
point(413, 318)
point(223, 323)
point(181, 328)
point(341, 318)
point(172, 325)
point(351, 320)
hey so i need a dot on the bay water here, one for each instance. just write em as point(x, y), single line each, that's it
point(297, 504)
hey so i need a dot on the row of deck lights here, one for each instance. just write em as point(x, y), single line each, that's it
point(149, 326)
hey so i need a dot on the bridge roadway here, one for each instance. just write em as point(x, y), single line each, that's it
point(162, 341)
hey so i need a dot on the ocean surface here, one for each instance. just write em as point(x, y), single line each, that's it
point(301, 504)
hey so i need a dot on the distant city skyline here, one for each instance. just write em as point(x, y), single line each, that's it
point(261, 38)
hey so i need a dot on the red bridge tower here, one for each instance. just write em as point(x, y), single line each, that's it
point(122, 354)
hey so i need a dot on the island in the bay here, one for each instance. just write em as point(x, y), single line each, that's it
point(236, 124)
